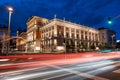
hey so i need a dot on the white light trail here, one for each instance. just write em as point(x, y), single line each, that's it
point(4, 59)
point(71, 70)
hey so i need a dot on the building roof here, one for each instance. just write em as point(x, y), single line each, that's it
point(103, 28)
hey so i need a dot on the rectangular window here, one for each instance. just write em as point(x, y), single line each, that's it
point(82, 37)
point(67, 34)
point(77, 36)
point(73, 36)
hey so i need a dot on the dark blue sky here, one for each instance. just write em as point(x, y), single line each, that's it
point(93, 13)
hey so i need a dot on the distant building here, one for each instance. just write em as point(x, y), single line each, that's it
point(57, 35)
point(21, 41)
point(3, 37)
point(107, 36)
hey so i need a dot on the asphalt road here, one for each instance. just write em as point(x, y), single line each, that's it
point(98, 70)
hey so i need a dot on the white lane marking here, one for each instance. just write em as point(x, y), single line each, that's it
point(117, 71)
point(108, 63)
point(20, 71)
point(87, 73)
point(104, 69)
point(90, 65)
point(57, 76)
point(97, 64)
point(42, 63)
point(16, 73)
point(79, 73)
point(33, 75)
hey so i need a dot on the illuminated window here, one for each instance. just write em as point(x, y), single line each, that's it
point(30, 36)
point(55, 41)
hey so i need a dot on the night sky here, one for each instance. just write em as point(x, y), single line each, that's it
point(92, 13)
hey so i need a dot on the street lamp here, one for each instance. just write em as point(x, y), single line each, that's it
point(10, 9)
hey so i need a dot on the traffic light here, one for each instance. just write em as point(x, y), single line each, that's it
point(109, 20)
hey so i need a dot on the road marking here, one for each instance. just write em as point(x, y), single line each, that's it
point(117, 71)
point(70, 70)
point(79, 73)
point(19, 71)
point(16, 73)
point(97, 64)
point(104, 69)
point(87, 73)
point(56, 76)
point(33, 75)
point(62, 69)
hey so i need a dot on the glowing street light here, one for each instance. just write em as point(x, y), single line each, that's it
point(10, 9)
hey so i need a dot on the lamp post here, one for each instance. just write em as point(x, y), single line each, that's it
point(10, 9)
point(112, 39)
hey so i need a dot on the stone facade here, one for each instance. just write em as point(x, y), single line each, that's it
point(107, 36)
point(57, 35)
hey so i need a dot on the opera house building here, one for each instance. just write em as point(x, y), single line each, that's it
point(57, 35)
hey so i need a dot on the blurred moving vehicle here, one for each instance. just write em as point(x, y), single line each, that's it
point(105, 51)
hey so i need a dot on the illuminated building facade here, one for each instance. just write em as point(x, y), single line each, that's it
point(21, 41)
point(57, 35)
